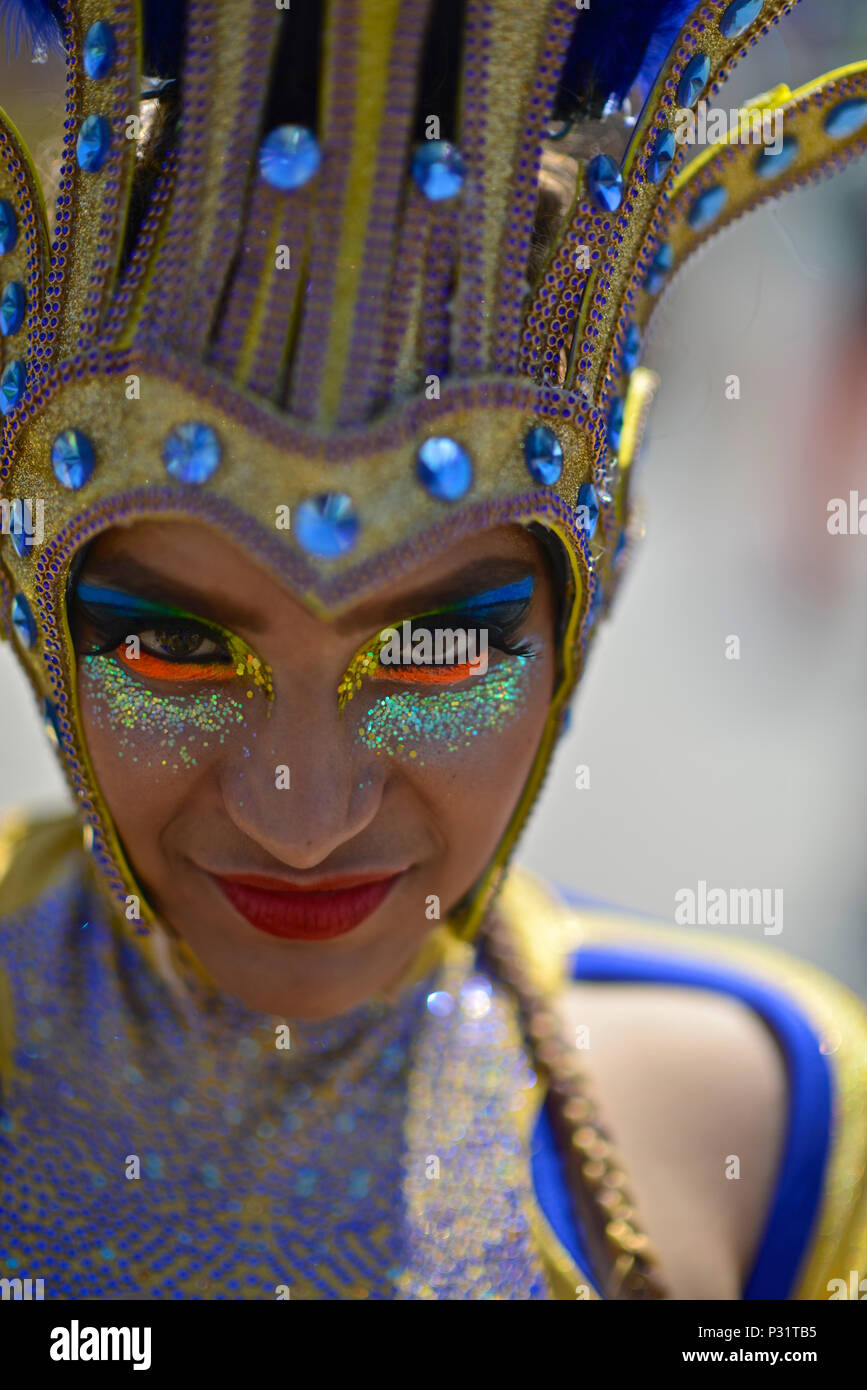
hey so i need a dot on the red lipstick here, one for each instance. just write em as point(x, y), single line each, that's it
point(316, 912)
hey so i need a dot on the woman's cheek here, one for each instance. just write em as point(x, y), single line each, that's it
point(162, 732)
point(420, 724)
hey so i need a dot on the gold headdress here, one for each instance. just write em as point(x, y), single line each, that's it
point(338, 319)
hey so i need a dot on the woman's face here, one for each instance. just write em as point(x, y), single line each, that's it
point(298, 799)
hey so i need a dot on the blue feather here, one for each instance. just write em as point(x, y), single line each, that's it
point(41, 22)
point(38, 22)
point(660, 45)
point(616, 43)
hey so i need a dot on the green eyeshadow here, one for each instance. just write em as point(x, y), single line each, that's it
point(411, 723)
point(156, 730)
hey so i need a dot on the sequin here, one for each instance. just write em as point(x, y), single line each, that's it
point(659, 268)
point(8, 227)
point(12, 384)
point(191, 452)
point(605, 183)
point(72, 459)
point(12, 305)
point(707, 206)
point(770, 163)
point(438, 169)
point(737, 19)
point(93, 144)
point(694, 80)
point(632, 348)
point(615, 424)
point(846, 118)
point(327, 526)
point(662, 154)
point(543, 454)
point(289, 157)
point(99, 50)
point(23, 621)
point(587, 507)
point(444, 468)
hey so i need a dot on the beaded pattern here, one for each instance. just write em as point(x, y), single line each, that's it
point(264, 1172)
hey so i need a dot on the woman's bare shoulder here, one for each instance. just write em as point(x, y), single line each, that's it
point(692, 1086)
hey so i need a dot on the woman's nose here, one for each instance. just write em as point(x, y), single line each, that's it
point(302, 786)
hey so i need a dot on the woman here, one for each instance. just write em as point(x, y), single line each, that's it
point(329, 384)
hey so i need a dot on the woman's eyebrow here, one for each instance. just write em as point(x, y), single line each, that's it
point(130, 579)
point(476, 583)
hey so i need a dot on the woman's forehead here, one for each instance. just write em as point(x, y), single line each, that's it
point(195, 567)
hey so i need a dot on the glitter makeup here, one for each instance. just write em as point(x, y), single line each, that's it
point(154, 728)
point(496, 611)
point(448, 721)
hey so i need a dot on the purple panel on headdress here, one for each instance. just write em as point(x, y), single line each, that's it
point(238, 160)
point(408, 269)
point(516, 246)
point(160, 318)
point(266, 374)
point(329, 211)
point(390, 182)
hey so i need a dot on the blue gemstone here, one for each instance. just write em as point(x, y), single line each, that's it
point(327, 525)
point(72, 459)
point(191, 452)
point(738, 17)
point(99, 50)
point(594, 607)
point(21, 527)
point(694, 80)
point(438, 168)
point(12, 384)
point(444, 468)
point(12, 304)
point(605, 183)
point(289, 156)
point(846, 118)
point(659, 268)
point(615, 425)
point(543, 454)
point(770, 163)
point(94, 140)
point(620, 547)
point(707, 207)
point(23, 621)
point(8, 226)
point(589, 503)
point(631, 348)
point(661, 156)
point(52, 727)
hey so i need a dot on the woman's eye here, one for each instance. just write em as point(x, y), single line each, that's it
point(181, 644)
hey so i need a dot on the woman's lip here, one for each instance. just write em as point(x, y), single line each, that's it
point(320, 885)
point(329, 908)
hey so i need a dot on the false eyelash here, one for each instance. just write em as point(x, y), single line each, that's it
point(112, 634)
point(501, 634)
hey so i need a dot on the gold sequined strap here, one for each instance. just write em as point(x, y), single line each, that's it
point(33, 852)
point(532, 965)
point(548, 932)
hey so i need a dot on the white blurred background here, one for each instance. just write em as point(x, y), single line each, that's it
point(746, 773)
